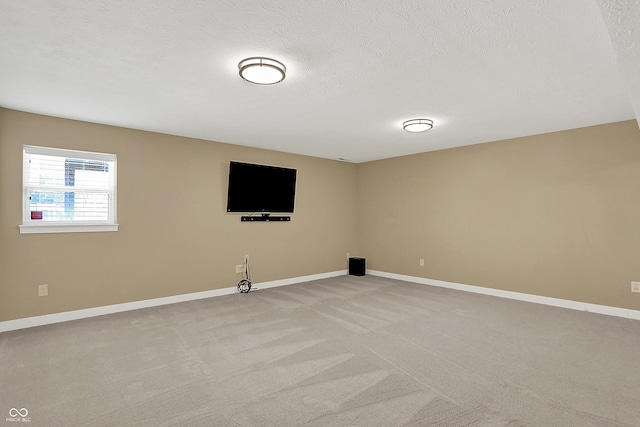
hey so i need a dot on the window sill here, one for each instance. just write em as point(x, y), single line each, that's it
point(66, 228)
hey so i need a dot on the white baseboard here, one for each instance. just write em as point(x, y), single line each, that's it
point(29, 322)
point(47, 319)
point(556, 302)
point(301, 279)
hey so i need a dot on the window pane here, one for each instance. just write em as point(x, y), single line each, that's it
point(91, 206)
point(92, 179)
point(46, 171)
point(68, 206)
point(68, 186)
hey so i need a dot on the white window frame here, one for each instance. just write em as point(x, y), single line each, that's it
point(30, 226)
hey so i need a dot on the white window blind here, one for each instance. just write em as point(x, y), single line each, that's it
point(68, 190)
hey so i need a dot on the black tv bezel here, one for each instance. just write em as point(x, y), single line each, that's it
point(264, 210)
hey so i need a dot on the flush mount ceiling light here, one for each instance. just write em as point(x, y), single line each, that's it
point(262, 71)
point(417, 125)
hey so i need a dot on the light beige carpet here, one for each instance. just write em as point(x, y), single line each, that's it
point(347, 351)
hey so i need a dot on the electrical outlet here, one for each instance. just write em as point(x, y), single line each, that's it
point(421, 262)
point(239, 268)
point(43, 290)
point(348, 255)
point(635, 286)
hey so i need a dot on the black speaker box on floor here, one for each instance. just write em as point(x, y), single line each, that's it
point(357, 266)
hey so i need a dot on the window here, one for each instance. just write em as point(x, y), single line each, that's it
point(68, 191)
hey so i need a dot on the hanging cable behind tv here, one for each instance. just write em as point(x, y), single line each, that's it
point(244, 285)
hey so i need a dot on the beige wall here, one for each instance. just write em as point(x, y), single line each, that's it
point(555, 215)
point(175, 236)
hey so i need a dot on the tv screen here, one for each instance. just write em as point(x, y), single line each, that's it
point(260, 188)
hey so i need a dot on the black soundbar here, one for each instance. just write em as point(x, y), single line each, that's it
point(265, 218)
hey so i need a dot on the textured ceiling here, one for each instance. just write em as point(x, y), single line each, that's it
point(622, 18)
point(483, 70)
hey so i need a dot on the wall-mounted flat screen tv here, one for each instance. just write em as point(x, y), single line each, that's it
point(260, 188)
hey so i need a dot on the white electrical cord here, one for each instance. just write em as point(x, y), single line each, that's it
point(244, 285)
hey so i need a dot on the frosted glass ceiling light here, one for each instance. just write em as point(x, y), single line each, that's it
point(262, 71)
point(417, 125)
